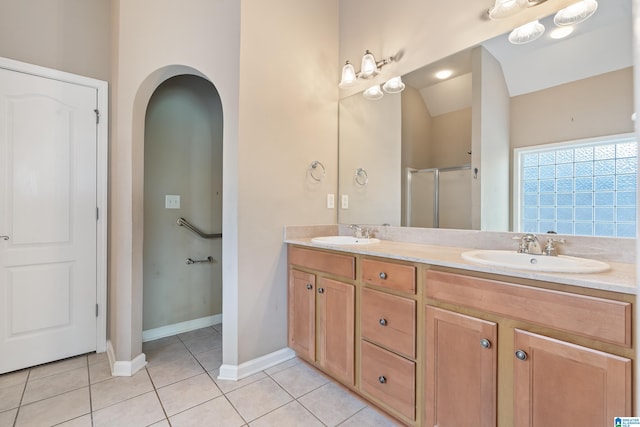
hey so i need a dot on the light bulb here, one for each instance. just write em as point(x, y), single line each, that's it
point(348, 75)
point(369, 67)
point(575, 13)
point(393, 85)
point(527, 33)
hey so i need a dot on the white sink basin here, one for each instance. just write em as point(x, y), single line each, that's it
point(343, 240)
point(542, 263)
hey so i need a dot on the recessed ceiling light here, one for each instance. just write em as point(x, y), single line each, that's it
point(560, 33)
point(444, 74)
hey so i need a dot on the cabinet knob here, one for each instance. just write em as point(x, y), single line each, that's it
point(383, 275)
point(485, 343)
point(383, 322)
point(521, 355)
point(4, 237)
point(309, 286)
point(382, 379)
point(321, 290)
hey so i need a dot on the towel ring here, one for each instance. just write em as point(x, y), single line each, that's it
point(361, 177)
point(314, 167)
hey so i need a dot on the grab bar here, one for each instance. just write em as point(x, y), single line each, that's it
point(184, 223)
point(209, 260)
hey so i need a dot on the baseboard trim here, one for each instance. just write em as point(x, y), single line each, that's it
point(180, 328)
point(237, 372)
point(122, 368)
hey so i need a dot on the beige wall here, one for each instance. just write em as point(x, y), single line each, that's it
point(490, 144)
point(370, 138)
point(67, 35)
point(451, 139)
point(155, 40)
point(597, 106)
point(287, 119)
point(183, 156)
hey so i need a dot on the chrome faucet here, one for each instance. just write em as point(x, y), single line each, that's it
point(357, 230)
point(360, 232)
point(550, 248)
point(529, 244)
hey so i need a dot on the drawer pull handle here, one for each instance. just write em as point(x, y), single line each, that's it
point(383, 275)
point(321, 290)
point(521, 355)
point(383, 322)
point(382, 379)
point(309, 286)
point(485, 343)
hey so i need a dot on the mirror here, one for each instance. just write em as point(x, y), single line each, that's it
point(460, 132)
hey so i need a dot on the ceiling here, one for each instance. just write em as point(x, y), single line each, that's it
point(599, 45)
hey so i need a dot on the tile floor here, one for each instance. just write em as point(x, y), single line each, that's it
point(179, 387)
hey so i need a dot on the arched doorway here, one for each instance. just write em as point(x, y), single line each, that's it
point(182, 271)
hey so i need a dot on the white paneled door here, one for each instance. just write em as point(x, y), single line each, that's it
point(47, 220)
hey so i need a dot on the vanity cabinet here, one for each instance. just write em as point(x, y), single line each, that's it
point(388, 316)
point(461, 371)
point(565, 358)
point(321, 310)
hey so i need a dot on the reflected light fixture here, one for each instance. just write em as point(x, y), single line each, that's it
point(527, 33)
point(575, 13)
point(374, 92)
point(369, 68)
point(506, 8)
point(393, 85)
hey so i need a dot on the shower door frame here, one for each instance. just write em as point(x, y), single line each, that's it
point(436, 190)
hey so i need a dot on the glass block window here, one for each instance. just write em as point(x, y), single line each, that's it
point(583, 188)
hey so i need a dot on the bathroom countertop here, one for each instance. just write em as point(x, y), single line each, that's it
point(620, 278)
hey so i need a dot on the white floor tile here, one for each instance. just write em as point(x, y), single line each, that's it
point(188, 393)
point(214, 413)
point(292, 414)
point(258, 398)
point(55, 410)
point(332, 404)
point(139, 411)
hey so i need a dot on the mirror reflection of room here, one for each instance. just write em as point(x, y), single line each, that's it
point(471, 128)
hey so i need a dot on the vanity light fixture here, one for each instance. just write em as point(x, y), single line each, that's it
point(369, 68)
point(507, 8)
point(527, 33)
point(373, 93)
point(575, 13)
point(393, 85)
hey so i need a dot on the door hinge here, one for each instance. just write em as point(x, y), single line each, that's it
point(96, 310)
point(97, 213)
point(97, 115)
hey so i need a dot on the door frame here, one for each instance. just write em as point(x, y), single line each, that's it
point(102, 152)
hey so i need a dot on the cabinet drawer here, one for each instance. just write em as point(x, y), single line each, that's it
point(389, 320)
point(390, 275)
point(597, 318)
point(389, 378)
point(339, 265)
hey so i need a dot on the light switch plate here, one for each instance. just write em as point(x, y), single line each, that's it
point(171, 201)
point(345, 201)
point(331, 201)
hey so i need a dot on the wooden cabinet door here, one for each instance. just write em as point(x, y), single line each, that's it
point(561, 384)
point(336, 328)
point(302, 314)
point(461, 370)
